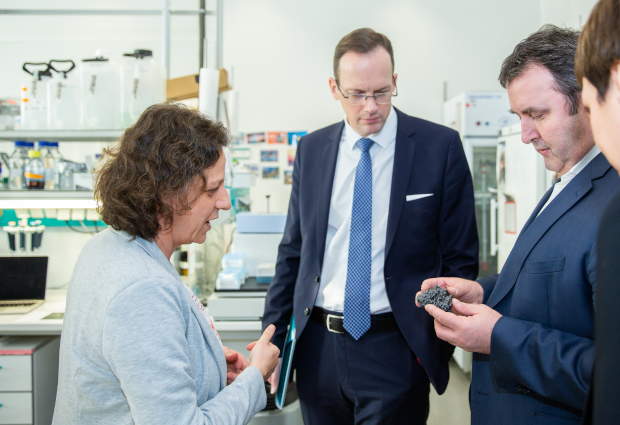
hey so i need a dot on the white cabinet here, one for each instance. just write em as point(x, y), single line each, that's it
point(28, 379)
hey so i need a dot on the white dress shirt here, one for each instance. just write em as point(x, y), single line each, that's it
point(334, 273)
point(570, 175)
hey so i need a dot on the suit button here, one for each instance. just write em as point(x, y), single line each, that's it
point(519, 388)
point(307, 311)
point(317, 278)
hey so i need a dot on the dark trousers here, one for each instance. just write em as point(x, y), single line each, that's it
point(376, 380)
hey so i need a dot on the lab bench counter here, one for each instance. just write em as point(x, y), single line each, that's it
point(47, 320)
point(41, 321)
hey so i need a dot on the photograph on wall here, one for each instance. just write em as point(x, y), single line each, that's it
point(291, 156)
point(252, 168)
point(288, 176)
point(271, 172)
point(269, 156)
point(238, 140)
point(277, 137)
point(256, 137)
point(241, 153)
point(294, 136)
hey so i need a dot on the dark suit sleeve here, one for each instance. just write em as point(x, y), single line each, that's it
point(488, 283)
point(279, 300)
point(458, 236)
point(554, 364)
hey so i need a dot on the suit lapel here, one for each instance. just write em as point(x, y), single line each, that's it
point(328, 159)
point(536, 227)
point(541, 204)
point(403, 161)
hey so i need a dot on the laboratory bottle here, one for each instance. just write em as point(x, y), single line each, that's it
point(100, 94)
point(143, 83)
point(4, 177)
point(33, 106)
point(17, 161)
point(63, 96)
point(34, 172)
point(50, 165)
point(57, 160)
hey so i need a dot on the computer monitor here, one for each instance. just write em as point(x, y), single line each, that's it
point(23, 277)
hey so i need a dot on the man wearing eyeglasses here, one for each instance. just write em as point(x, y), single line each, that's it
point(380, 202)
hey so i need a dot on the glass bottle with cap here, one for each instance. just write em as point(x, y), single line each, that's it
point(17, 161)
point(49, 162)
point(34, 172)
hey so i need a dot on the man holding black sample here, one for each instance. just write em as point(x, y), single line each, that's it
point(531, 327)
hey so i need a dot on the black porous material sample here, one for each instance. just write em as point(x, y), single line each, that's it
point(436, 296)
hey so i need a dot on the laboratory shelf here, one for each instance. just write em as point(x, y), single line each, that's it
point(62, 135)
point(46, 199)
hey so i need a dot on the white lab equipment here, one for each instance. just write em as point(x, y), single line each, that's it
point(142, 84)
point(33, 106)
point(248, 222)
point(63, 96)
point(99, 82)
point(478, 117)
point(522, 181)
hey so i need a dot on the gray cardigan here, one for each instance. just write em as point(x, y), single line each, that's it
point(136, 349)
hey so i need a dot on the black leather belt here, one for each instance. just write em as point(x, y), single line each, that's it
point(334, 322)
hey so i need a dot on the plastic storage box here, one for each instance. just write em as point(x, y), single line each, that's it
point(234, 260)
point(265, 272)
point(231, 278)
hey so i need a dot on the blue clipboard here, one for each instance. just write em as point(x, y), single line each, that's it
point(287, 364)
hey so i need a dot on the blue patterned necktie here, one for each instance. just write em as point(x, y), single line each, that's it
point(357, 289)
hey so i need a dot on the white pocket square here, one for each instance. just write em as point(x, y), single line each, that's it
point(420, 196)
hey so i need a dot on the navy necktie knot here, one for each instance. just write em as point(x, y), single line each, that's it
point(364, 144)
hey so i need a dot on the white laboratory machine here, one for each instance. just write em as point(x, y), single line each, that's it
point(478, 117)
point(522, 181)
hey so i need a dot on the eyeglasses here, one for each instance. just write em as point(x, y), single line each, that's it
point(382, 98)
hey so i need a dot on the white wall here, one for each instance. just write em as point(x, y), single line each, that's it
point(570, 13)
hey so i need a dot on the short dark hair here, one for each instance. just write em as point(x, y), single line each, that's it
point(363, 40)
point(599, 46)
point(149, 173)
point(554, 48)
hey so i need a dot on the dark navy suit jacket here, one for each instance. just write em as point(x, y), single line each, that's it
point(433, 236)
point(542, 349)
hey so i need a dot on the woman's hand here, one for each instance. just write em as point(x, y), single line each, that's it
point(264, 355)
point(235, 364)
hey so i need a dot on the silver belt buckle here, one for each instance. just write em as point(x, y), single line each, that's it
point(329, 328)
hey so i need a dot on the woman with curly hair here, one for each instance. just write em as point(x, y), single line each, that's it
point(137, 345)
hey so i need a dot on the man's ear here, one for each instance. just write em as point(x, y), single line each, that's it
point(333, 88)
point(614, 79)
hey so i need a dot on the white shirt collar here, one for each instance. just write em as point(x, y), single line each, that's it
point(581, 164)
point(383, 138)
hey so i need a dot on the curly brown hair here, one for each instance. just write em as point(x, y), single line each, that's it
point(148, 174)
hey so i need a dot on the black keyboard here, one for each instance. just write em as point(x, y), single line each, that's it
point(17, 303)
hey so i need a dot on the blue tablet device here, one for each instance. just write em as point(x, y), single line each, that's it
point(287, 364)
